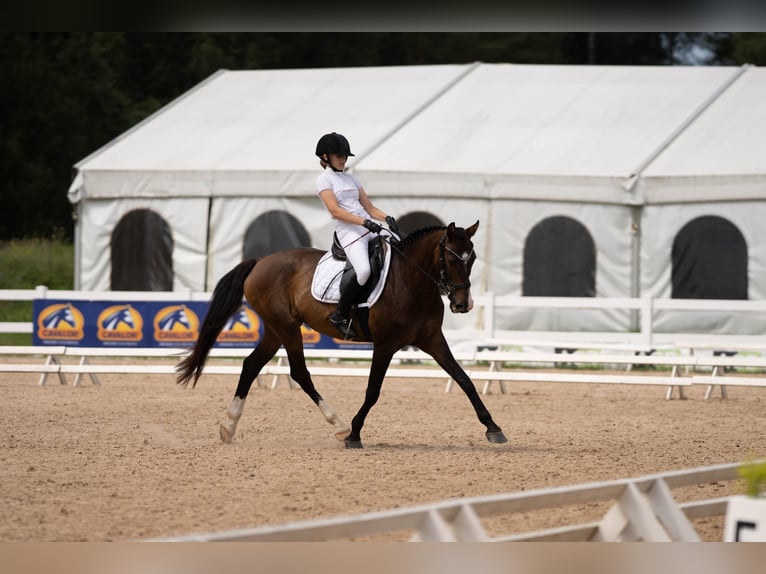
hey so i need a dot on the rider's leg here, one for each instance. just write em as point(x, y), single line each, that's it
point(341, 317)
point(352, 283)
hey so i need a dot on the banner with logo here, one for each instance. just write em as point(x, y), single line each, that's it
point(85, 323)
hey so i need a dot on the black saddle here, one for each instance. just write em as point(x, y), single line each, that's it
point(375, 250)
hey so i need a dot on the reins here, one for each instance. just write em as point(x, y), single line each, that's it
point(445, 286)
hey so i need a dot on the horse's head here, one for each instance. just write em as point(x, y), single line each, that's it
point(456, 257)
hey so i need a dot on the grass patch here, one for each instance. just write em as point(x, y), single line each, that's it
point(25, 264)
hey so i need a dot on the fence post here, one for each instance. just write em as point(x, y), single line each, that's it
point(489, 315)
point(647, 320)
point(41, 292)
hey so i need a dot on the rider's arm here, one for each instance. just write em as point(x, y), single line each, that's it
point(331, 203)
point(366, 202)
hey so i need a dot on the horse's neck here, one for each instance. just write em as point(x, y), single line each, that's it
point(423, 255)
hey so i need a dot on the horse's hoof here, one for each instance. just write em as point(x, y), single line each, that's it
point(226, 436)
point(353, 443)
point(496, 437)
point(343, 434)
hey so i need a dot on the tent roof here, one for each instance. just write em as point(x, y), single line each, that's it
point(575, 133)
point(727, 139)
point(723, 148)
point(271, 119)
point(548, 120)
point(264, 121)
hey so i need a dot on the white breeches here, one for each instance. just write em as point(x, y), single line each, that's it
point(354, 243)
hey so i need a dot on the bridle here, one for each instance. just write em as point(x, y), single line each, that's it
point(447, 287)
point(444, 284)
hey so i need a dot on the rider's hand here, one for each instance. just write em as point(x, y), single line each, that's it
point(372, 226)
point(392, 224)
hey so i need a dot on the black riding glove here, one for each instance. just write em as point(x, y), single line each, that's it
point(392, 224)
point(372, 226)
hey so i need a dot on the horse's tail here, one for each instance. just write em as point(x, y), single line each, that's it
point(227, 297)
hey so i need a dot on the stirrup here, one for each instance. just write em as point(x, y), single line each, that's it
point(343, 325)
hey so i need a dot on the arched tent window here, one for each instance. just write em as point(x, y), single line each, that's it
point(142, 253)
point(415, 220)
point(709, 259)
point(273, 231)
point(559, 260)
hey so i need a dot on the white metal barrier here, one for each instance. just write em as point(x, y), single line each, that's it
point(642, 509)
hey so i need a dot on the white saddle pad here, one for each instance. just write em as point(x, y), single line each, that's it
point(325, 286)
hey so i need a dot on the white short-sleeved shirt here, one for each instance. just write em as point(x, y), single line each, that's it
point(346, 189)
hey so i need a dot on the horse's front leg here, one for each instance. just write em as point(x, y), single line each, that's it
point(440, 351)
point(381, 359)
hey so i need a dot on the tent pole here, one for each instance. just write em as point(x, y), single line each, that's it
point(635, 270)
point(208, 258)
point(77, 217)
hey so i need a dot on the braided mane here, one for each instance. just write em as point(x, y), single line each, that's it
point(418, 234)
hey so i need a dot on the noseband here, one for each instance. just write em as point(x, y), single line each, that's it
point(447, 287)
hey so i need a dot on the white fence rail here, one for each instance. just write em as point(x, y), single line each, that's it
point(475, 348)
point(481, 365)
point(642, 509)
point(484, 330)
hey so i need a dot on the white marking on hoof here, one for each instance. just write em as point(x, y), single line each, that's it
point(226, 435)
point(233, 414)
point(343, 434)
point(342, 430)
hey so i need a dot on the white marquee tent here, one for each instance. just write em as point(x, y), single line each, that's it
point(630, 153)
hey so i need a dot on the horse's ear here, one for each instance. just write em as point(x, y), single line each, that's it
point(451, 229)
point(471, 230)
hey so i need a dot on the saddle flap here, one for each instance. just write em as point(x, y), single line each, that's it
point(375, 250)
point(337, 248)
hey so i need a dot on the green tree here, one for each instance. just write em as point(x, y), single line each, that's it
point(748, 48)
point(59, 102)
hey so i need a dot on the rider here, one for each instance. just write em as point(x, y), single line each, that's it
point(353, 213)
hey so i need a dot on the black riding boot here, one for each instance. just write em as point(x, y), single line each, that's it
point(341, 317)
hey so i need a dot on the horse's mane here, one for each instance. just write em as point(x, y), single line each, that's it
point(418, 234)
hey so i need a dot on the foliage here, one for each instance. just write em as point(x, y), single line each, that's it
point(24, 264)
point(67, 94)
point(749, 48)
point(754, 474)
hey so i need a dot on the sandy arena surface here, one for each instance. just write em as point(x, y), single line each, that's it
point(139, 456)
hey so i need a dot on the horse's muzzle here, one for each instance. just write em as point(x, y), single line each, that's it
point(463, 306)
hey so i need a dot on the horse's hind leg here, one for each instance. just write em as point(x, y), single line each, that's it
point(293, 343)
point(251, 366)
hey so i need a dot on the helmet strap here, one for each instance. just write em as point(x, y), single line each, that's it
point(326, 159)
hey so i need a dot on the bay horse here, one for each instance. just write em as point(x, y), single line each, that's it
point(410, 310)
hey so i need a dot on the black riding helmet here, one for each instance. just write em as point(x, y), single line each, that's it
point(333, 143)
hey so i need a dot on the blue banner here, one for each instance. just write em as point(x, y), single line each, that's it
point(84, 323)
